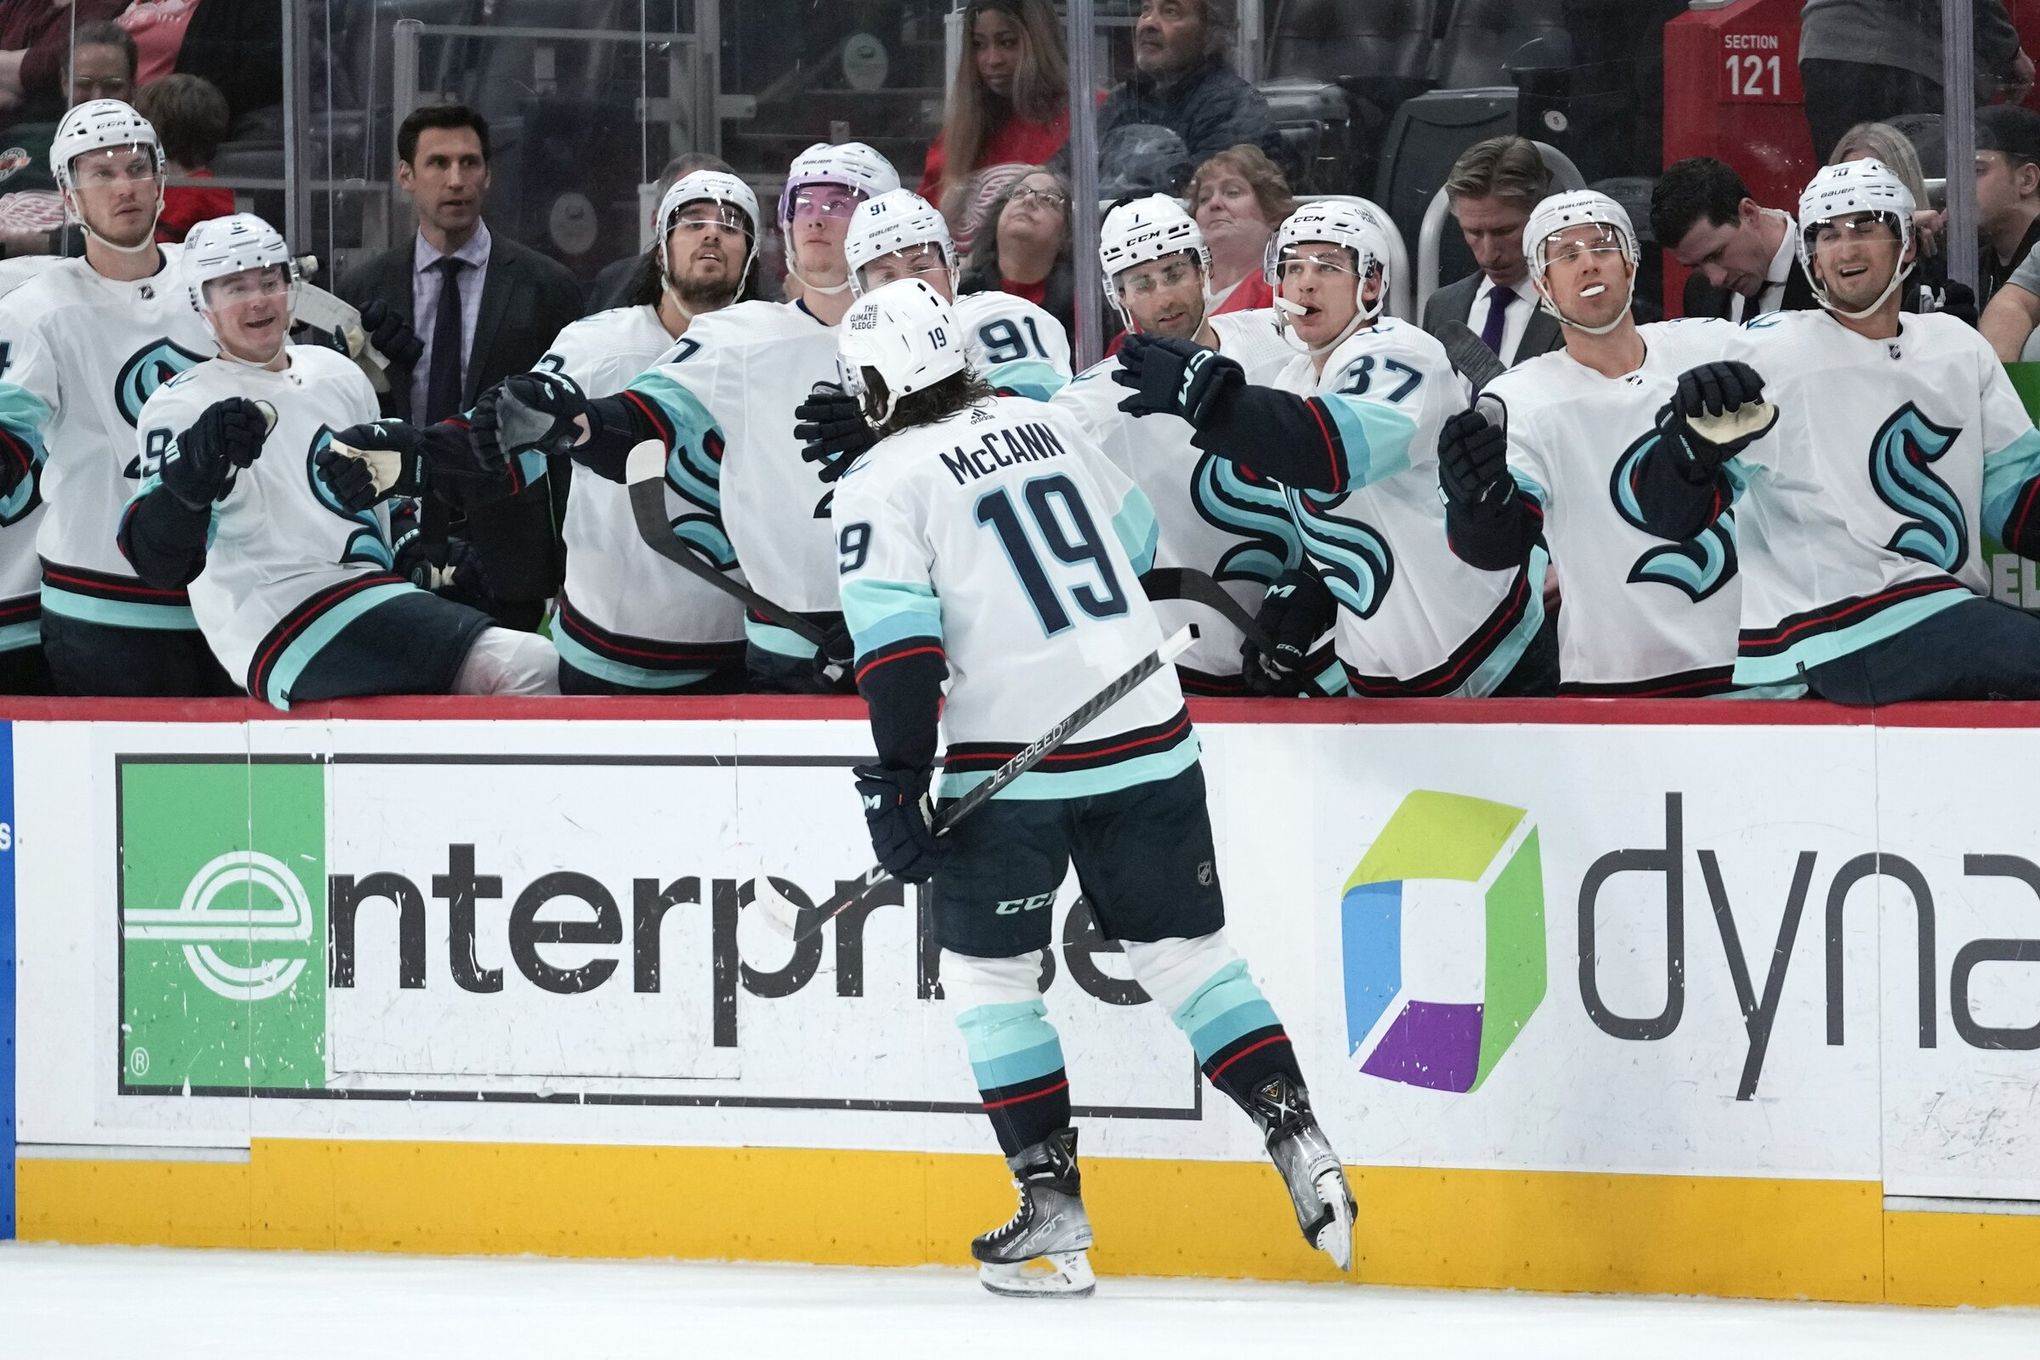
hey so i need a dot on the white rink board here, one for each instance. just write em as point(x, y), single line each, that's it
point(1632, 1059)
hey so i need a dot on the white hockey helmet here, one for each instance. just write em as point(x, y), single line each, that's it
point(222, 246)
point(1865, 186)
point(1339, 222)
point(851, 164)
point(896, 220)
point(709, 186)
point(99, 125)
point(1578, 208)
point(906, 336)
point(1147, 229)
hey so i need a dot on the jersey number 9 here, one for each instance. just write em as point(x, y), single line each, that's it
point(1066, 529)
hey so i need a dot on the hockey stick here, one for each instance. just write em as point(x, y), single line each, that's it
point(1196, 587)
point(1470, 356)
point(644, 472)
point(782, 910)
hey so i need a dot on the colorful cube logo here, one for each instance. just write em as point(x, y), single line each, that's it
point(1433, 840)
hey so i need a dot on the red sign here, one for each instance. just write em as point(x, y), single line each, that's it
point(1758, 66)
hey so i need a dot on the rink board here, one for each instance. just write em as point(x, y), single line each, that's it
point(1614, 997)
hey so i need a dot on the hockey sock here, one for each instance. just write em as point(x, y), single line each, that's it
point(1239, 1040)
point(1018, 1063)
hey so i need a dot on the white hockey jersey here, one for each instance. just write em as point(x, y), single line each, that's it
point(1642, 616)
point(626, 614)
point(1414, 620)
point(1003, 537)
point(1861, 512)
point(1013, 344)
point(1213, 518)
point(285, 567)
point(92, 350)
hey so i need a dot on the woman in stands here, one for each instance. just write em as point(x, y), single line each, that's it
point(1929, 289)
point(1024, 248)
point(1009, 109)
point(1239, 198)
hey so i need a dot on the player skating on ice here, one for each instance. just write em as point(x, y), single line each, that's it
point(1865, 453)
point(987, 548)
point(1546, 454)
point(1350, 428)
point(627, 623)
point(1214, 519)
point(283, 541)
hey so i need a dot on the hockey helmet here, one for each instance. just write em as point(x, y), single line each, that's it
point(1339, 222)
point(709, 186)
point(853, 165)
point(905, 335)
point(1578, 208)
point(896, 220)
point(99, 125)
point(1150, 228)
point(1864, 186)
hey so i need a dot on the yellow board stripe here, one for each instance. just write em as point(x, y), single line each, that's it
point(1558, 1231)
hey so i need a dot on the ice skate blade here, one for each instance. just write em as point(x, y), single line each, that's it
point(1335, 1238)
point(1058, 1275)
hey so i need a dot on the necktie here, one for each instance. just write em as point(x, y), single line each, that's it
point(442, 381)
point(1497, 318)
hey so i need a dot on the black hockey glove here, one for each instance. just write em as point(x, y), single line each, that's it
point(1473, 461)
point(836, 660)
point(832, 430)
point(1296, 611)
point(1174, 377)
point(1716, 411)
point(901, 820)
point(368, 463)
point(452, 570)
point(391, 335)
point(526, 411)
point(199, 469)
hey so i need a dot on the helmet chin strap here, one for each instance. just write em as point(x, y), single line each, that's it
point(1364, 316)
point(1898, 274)
point(827, 290)
point(1544, 301)
point(147, 243)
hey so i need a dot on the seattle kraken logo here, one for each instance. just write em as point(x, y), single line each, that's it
point(1935, 529)
point(1253, 511)
point(367, 543)
point(1353, 557)
point(147, 369)
point(1699, 566)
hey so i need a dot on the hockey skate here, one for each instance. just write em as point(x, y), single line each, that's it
point(1309, 1167)
point(1039, 1253)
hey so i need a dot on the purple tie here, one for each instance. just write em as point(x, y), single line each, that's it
point(1497, 308)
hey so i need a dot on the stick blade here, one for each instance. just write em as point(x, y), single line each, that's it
point(776, 907)
point(646, 462)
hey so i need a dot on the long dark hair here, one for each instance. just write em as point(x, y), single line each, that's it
point(954, 393)
point(1041, 89)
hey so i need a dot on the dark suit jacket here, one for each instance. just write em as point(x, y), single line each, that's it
point(1454, 302)
point(1704, 299)
point(527, 300)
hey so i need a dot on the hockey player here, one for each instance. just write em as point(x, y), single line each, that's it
point(721, 402)
point(82, 347)
point(627, 622)
point(1641, 617)
point(1018, 348)
point(1350, 428)
point(247, 503)
point(1213, 519)
point(941, 529)
point(1899, 442)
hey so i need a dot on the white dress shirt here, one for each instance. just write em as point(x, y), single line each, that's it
point(1514, 321)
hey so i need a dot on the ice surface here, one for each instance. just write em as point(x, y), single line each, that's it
point(83, 1303)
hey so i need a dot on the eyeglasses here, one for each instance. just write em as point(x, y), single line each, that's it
point(1174, 274)
point(1054, 200)
point(827, 200)
point(100, 87)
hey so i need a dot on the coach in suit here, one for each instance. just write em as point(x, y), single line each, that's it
point(1744, 257)
point(484, 307)
point(1493, 187)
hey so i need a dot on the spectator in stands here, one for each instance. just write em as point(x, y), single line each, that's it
point(1873, 60)
point(235, 44)
point(1183, 79)
point(191, 118)
point(1239, 198)
point(1009, 105)
point(99, 65)
point(1026, 249)
point(616, 283)
point(2007, 190)
point(485, 308)
point(35, 40)
point(1927, 288)
point(1744, 258)
point(102, 64)
point(1493, 187)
